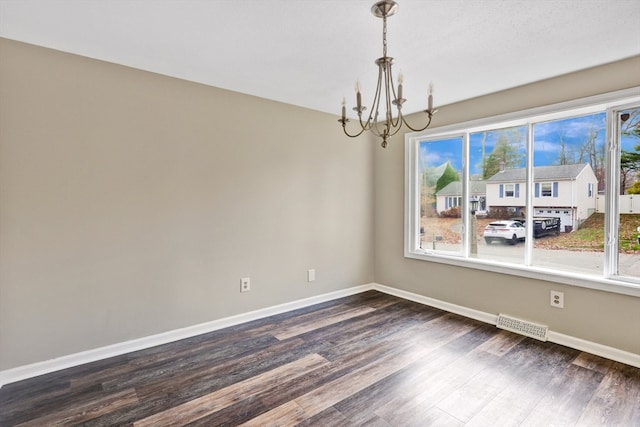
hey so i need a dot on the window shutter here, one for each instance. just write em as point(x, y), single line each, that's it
point(537, 189)
point(517, 193)
point(501, 191)
point(555, 189)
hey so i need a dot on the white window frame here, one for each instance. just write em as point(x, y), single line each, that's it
point(542, 195)
point(513, 191)
point(453, 202)
point(609, 280)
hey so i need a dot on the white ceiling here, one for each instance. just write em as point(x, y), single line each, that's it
point(309, 53)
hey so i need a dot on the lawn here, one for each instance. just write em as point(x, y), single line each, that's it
point(589, 237)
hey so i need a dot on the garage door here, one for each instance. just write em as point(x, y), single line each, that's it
point(566, 218)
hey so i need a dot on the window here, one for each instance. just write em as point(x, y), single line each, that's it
point(452, 202)
point(509, 190)
point(553, 184)
point(440, 194)
point(625, 184)
point(568, 153)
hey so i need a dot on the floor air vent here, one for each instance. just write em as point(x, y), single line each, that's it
point(522, 327)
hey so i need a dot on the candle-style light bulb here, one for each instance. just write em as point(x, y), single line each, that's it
point(400, 80)
point(358, 96)
point(344, 109)
point(430, 97)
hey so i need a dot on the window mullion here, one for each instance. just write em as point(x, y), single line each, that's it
point(467, 230)
point(611, 219)
point(528, 249)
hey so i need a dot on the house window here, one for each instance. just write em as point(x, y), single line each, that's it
point(551, 153)
point(452, 202)
point(546, 189)
point(509, 190)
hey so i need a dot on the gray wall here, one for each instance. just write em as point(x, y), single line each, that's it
point(601, 317)
point(132, 203)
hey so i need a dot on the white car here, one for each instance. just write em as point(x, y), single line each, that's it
point(504, 231)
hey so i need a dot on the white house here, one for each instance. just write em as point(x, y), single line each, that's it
point(564, 191)
point(450, 196)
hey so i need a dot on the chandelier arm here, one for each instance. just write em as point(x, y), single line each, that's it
point(365, 125)
point(383, 64)
point(369, 124)
point(425, 126)
point(396, 128)
point(373, 115)
point(387, 83)
point(375, 128)
point(393, 100)
point(344, 128)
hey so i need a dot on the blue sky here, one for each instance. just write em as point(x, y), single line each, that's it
point(548, 138)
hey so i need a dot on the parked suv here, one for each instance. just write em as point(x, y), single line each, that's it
point(504, 231)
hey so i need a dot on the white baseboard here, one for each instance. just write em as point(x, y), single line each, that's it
point(555, 337)
point(35, 369)
point(595, 348)
point(442, 305)
point(40, 368)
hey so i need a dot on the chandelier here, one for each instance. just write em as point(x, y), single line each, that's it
point(385, 89)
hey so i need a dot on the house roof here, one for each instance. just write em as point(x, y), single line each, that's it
point(541, 173)
point(455, 188)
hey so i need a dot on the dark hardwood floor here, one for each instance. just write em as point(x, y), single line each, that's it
point(369, 359)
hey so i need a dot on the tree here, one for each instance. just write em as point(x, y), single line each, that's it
point(435, 179)
point(630, 160)
point(449, 175)
point(629, 166)
point(589, 151)
point(506, 151)
point(564, 156)
point(634, 189)
point(631, 123)
point(483, 143)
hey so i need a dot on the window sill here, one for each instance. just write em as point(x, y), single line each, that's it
point(555, 276)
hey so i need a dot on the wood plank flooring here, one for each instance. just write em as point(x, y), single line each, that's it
point(369, 359)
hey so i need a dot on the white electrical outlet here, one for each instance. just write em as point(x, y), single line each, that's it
point(245, 284)
point(311, 275)
point(557, 299)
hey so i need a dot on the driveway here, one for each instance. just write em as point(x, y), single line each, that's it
point(590, 262)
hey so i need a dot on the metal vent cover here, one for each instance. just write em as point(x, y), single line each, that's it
point(523, 327)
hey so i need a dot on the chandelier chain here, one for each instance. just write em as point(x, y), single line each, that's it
point(384, 36)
